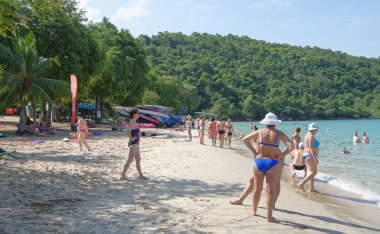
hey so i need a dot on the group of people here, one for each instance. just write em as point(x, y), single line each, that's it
point(356, 138)
point(217, 130)
point(38, 128)
point(268, 161)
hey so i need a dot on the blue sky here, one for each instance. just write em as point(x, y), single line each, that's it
point(351, 26)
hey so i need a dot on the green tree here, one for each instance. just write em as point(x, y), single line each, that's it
point(252, 108)
point(221, 107)
point(24, 74)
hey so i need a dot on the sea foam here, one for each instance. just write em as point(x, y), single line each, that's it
point(350, 187)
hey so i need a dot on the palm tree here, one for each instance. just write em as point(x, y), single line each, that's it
point(23, 74)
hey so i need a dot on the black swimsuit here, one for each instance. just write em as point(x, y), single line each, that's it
point(299, 167)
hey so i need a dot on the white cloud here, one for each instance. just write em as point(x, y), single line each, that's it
point(92, 13)
point(133, 9)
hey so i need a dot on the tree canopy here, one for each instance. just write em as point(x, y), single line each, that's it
point(258, 77)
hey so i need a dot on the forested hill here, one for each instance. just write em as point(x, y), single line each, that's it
point(241, 77)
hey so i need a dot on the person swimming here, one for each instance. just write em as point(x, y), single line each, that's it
point(345, 151)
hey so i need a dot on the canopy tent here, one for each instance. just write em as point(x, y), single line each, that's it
point(86, 106)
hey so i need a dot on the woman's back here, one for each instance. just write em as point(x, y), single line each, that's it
point(269, 143)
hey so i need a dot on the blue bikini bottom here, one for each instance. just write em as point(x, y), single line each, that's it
point(265, 164)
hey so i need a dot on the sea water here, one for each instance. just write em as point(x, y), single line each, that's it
point(357, 172)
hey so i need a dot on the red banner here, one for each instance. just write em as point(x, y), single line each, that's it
point(74, 87)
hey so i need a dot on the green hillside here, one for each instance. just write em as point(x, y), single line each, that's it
point(241, 77)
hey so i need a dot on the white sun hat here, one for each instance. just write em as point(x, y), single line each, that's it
point(270, 119)
point(312, 126)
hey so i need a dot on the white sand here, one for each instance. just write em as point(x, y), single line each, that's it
point(55, 188)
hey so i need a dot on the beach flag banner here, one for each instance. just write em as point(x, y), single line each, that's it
point(74, 86)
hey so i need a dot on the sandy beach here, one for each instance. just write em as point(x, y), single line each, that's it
point(55, 188)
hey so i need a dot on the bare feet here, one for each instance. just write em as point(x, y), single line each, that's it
point(253, 213)
point(144, 178)
point(237, 202)
point(124, 178)
point(301, 187)
point(313, 191)
point(272, 220)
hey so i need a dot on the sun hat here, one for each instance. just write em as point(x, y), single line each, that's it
point(301, 145)
point(270, 119)
point(312, 126)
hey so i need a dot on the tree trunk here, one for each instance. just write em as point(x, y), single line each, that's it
point(43, 112)
point(49, 115)
point(98, 109)
point(55, 114)
point(34, 115)
point(21, 125)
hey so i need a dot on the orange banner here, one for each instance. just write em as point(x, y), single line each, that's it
point(74, 87)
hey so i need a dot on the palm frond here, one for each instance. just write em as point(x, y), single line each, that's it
point(54, 87)
point(8, 95)
point(37, 91)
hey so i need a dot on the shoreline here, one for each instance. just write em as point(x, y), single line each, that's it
point(329, 195)
point(55, 188)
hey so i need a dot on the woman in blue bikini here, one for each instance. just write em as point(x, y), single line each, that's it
point(134, 149)
point(310, 156)
point(268, 160)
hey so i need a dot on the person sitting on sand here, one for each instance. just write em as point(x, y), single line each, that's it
point(134, 145)
point(356, 138)
point(298, 163)
point(31, 127)
point(82, 131)
point(267, 160)
point(345, 151)
point(365, 138)
point(43, 129)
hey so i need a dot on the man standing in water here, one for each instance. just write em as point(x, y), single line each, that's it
point(365, 138)
point(356, 138)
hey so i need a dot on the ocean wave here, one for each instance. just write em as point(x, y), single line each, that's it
point(350, 187)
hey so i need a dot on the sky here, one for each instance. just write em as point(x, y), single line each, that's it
point(350, 26)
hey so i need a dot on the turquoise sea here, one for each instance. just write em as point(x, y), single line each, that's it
point(357, 172)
